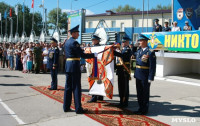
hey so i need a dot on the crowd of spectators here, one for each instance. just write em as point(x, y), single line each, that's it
point(23, 56)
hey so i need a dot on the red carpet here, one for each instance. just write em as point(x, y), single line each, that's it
point(104, 112)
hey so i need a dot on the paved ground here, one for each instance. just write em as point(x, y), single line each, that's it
point(172, 102)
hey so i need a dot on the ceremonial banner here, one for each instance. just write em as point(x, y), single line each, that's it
point(187, 41)
point(101, 74)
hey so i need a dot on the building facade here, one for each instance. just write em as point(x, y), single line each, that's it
point(128, 23)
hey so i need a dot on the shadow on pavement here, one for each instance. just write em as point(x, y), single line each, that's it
point(16, 85)
point(169, 109)
point(10, 76)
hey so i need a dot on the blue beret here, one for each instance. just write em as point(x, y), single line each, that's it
point(125, 39)
point(142, 37)
point(95, 37)
point(53, 40)
point(74, 29)
point(156, 19)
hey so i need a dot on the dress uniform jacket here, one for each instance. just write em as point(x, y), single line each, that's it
point(157, 29)
point(53, 55)
point(166, 29)
point(73, 52)
point(53, 59)
point(145, 69)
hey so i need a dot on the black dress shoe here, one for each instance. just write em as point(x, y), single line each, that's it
point(82, 111)
point(68, 110)
point(52, 89)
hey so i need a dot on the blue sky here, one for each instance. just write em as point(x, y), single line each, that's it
point(93, 6)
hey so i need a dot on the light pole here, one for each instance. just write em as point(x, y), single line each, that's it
point(71, 3)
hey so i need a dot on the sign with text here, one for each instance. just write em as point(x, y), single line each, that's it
point(187, 41)
point(77, 18)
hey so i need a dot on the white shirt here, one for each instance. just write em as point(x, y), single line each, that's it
point(176, 29)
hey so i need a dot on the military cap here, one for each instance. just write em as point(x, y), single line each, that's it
point(53, 40)
point(186, 22)
point(142, 37)
point(74, 29)
point(156, 20)
point(166, 21)
point(95, 37)
point(124, 39)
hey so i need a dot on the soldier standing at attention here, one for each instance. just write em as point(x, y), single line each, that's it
point(124, 73)
point(37, 57)
point(157, 27)
point(73, 52)
point(95, 42)
point(144, 74)
point(53, 57)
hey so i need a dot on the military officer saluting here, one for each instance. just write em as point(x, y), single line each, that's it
point(95, 42)
point(123, 71)
point(53, 58)
point(157, 27)
point(73, 52)
point(144, 74)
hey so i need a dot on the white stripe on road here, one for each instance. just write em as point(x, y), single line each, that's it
point(178, 81)
point(11, 112)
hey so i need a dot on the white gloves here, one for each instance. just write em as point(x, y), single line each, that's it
point(95, 54)
point(149, 81)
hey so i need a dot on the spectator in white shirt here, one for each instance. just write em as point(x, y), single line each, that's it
point(175, 27)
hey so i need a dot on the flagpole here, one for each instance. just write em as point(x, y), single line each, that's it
point(147, 15)
point(57, 12)
point(43, 13)
point(1, 25)
point(23, 17)
point(143, 16)
point(17, 20)
point(33, 19)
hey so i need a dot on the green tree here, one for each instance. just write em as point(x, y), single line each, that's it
point(28, 20)
point(160, 7)
point(62, 22)
point(126, 8)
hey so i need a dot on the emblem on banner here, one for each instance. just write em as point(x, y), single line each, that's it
point(180, 14)
point(189, 13)
point(198, 11)
point(153, 42)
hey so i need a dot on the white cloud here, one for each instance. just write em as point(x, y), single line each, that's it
point(66, 10)
point(88, 12)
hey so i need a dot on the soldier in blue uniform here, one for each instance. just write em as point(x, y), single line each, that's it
point(157, 27)
point(73, 52)
point(53, 58)
point(166, 27)
point(144, 74)
point(95, 42)
point(123, 74)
